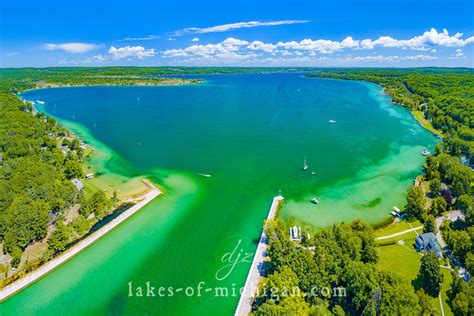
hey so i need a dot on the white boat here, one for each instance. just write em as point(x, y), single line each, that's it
point(314, 200)
point(313, 173)
point(332, 122)
point(305, 164)
point(425, 152)
point(40, 102)
point(204, 175)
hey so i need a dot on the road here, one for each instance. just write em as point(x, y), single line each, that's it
point(451, 216)
point(399, 233)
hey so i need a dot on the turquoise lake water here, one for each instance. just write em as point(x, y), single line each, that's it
point(251, 133)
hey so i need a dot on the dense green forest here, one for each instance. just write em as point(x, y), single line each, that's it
point(334, 272)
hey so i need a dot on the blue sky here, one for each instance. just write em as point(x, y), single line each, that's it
point(237, 33)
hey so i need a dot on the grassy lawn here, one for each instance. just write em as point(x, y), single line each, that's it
point(448, 278)
point(404, 261)
point(396, 228)
point(425, 123)
point(400, 259)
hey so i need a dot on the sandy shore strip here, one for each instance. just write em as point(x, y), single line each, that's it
point(251, 283)
point(33, 276)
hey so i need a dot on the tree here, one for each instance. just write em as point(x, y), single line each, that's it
point(438, 206)
point(73, 169)
point(435, 186)
point(466, 203)
point(430, 225)
point(469, 263)
point(430, 274)
point(461, 296)
point(60, 238)
point(424, 301)
point(74, 144)
point(460, 243)
point(415, 201)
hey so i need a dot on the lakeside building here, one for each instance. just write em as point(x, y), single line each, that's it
point(295, 233)
point(427, 242)
point(78, 183)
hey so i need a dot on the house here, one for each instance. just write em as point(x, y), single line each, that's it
point(78, 183)
point(89, 176)
point(295, 233)
point(427, 242)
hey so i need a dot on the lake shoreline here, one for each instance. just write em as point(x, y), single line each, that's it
point(52, 264)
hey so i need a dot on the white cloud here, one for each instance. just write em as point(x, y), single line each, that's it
point(258, 45)
point(138, 52)
point(314, 47)
point(146, 38)
point(458, 54)
point(196, 39)
point(72, 47)
point(114, 54)
point(230, 45)
point(233, 26)
point(423, 42)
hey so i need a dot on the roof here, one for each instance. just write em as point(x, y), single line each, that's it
point(427, 237)
point(427, 241)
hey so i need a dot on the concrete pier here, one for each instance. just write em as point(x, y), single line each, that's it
point(251, 283)
point(35, 275)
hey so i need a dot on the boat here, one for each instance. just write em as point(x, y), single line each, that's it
point(313, 173)
point(332, 122)
point(204, 175)
point(425, 152)
point(305, 164)
point(314, 200)
point(40, 102)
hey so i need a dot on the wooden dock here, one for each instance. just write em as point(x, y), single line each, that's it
point(251, 283)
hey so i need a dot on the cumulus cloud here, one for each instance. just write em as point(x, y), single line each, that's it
point(146, 38)
point(115, 54)
point(428, 39)
point(228, 47)
point(458, 54)
point(313, 49)
point(233, 26)
point(72, 47)
point(196, 39)
point(258, 45)
point(138, 52)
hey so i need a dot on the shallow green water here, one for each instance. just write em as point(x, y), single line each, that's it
point(251, 133)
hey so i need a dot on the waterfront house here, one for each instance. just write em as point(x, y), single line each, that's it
point(427, 242)
point(295, 233)
point(78, 183)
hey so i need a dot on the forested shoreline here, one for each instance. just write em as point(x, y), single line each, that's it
point(445, 100)
point(46, 204)
point(39, 159)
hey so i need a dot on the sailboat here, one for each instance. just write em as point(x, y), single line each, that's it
point(305, 165)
